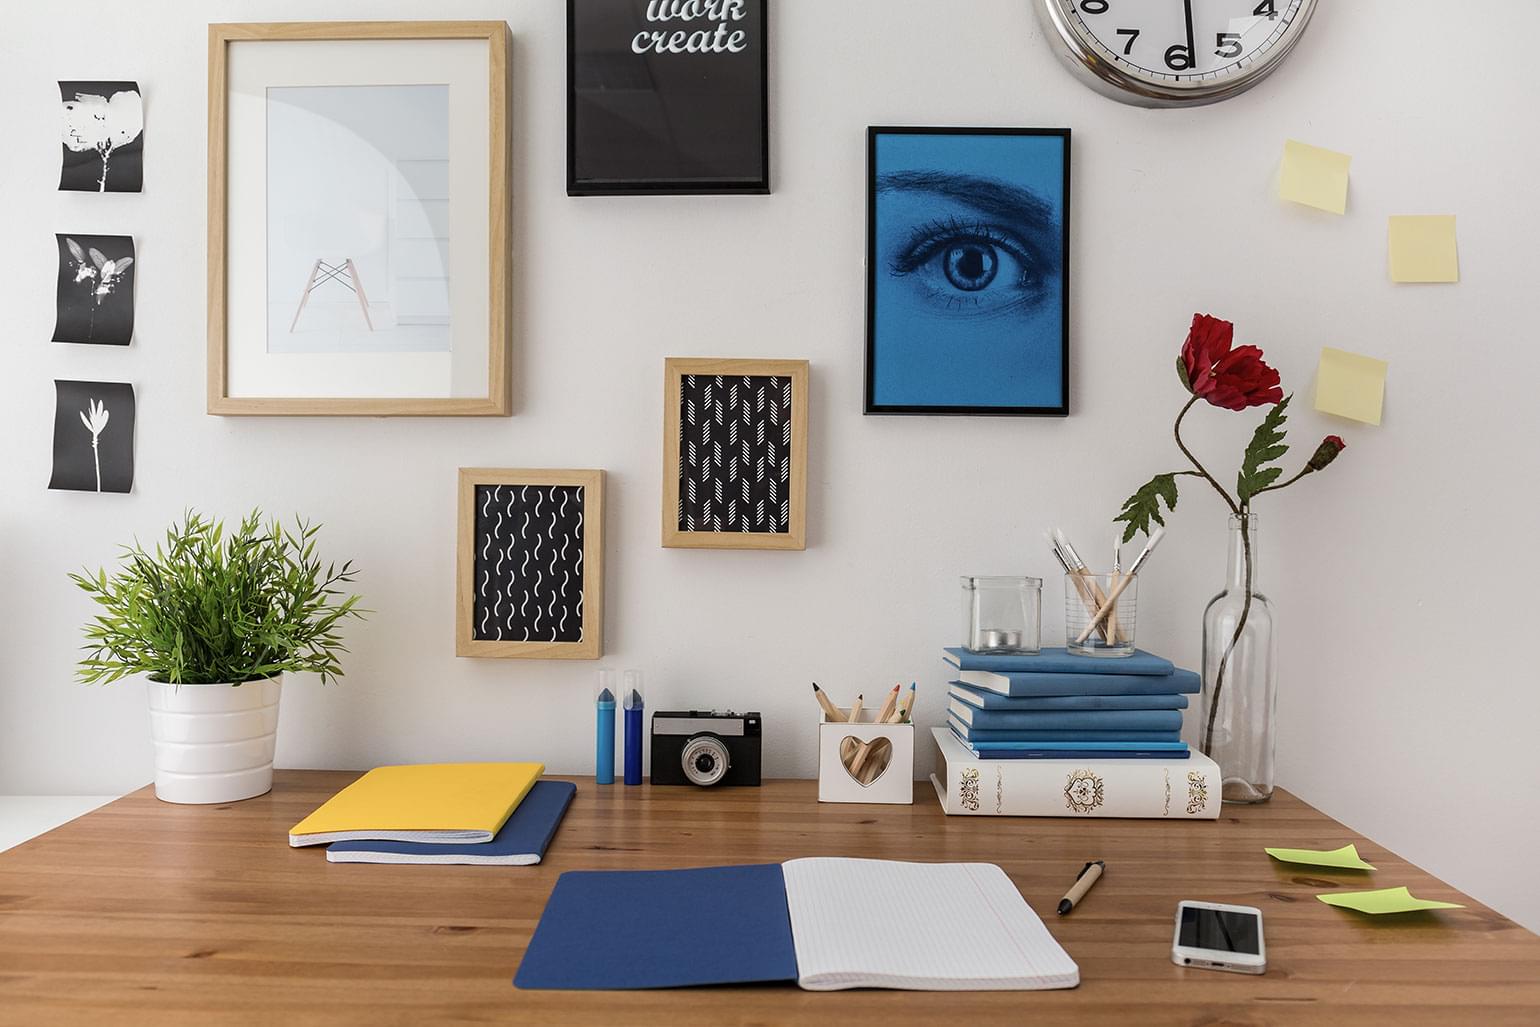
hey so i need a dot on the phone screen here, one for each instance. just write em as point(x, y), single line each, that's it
point(1220, 930)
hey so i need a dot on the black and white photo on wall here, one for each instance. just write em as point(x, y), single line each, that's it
point(102, 134)
point(530, 564)
point(967, 288)
point(735, 453)
point(93, 436)
point(667, 96)
point(95, 296)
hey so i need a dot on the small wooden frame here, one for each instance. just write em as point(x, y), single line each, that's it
point(741, 442)
point(498, 274)
point(524, 536)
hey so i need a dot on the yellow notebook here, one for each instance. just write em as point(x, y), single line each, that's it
point(431, 802)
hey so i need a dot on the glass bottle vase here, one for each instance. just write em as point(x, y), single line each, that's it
point(1237, 723)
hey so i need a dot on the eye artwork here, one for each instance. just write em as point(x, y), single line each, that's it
point(967, 258)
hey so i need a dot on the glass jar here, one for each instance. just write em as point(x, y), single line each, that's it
point(1237, 728)
point(1002, 614)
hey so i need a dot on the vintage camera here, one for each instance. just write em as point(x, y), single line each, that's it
point(705, 748)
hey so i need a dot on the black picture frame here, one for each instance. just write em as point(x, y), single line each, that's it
point(757, 183)
point(874, 267)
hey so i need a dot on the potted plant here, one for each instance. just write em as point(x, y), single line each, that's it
point(214, 620)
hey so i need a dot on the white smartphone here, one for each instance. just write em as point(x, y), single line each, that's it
point(1213, 936)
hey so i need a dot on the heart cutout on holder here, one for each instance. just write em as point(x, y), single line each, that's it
point(865, 762)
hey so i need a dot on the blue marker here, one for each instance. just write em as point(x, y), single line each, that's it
point(633, 704)
point(604, 751)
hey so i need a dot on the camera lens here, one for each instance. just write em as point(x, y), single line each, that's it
point(704, 760)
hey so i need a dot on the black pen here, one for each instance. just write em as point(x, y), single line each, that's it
point(1088, 876)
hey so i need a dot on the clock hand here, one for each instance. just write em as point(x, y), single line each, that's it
point(1192, 53)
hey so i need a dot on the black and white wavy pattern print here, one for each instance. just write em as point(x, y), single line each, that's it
point(735, 453)
point(529, 563)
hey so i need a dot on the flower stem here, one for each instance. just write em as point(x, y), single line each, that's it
point(1307, 469)
point(96, 455)
point(1240, 626)
point(1203, 471)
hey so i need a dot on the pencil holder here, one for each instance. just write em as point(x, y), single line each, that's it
point(1085, 595)
point(865, 761)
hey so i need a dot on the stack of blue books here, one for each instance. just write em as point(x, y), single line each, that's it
point(1055, 705)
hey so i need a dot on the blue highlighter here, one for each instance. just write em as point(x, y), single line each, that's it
point(604, 738)
point(634, 707)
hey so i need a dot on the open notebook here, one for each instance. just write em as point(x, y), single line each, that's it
point(827, 924)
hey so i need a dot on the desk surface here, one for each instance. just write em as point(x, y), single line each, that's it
point(204, 914)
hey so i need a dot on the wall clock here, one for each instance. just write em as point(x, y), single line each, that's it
point(1173, 53)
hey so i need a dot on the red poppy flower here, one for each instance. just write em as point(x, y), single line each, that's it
point(1231, 378)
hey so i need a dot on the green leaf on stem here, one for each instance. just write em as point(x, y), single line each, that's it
point(1143, 506)
point(1267, 445)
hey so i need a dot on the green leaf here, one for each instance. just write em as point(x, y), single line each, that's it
point(1143, 506)
point(1267, 445)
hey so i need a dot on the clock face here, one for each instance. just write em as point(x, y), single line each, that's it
point(1177, 51)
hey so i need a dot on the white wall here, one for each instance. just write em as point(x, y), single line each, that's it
point(1403, 577)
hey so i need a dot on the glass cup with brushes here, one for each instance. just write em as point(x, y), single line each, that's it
point(1100, 610)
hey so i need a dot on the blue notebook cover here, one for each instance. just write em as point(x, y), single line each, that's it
point(1067, 720)
point(987, 700)
point(607, 930)
point(973, 734)
point(1018, 686)
point(1059, 661)
point(522, 840)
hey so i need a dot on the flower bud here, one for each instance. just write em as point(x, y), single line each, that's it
point(1326, 452)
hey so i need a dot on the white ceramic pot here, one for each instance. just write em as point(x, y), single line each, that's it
point(214, 743)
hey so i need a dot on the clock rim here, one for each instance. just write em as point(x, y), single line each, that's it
point(1114, 82)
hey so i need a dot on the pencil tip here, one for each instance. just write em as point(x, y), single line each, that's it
point(815, 686)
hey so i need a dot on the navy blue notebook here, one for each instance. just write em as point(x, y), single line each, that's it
point(1059, 661)
point(987, 700)
point(1023, 685)
point(620, 930)
point(521, 841)
point(1067, 720)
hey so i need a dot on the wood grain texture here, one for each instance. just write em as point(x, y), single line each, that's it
point(498, 400)
point(166, 914)
point(674, 370)
point(592, 645)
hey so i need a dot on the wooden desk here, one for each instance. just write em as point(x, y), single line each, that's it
point(199, 914)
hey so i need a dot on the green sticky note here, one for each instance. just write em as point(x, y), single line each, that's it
point(1345, 858)
point(1313, 176)
point(1384, 900)
point(1422, 248)
point(1350, 385)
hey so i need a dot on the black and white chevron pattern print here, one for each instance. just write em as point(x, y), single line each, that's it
point(735, 453)
point(529, 563)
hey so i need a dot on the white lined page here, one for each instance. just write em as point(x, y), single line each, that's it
point(869, 923)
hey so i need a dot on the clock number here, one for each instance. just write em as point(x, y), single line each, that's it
point(1178, 57)
point(1266, 9)
point(1094, 6)
point(1132, 35)
point(1228, 43)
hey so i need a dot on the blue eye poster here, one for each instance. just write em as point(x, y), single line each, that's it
point(967, 301)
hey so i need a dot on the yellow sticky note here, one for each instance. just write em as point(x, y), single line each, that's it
point(1422, 248)
point(1384, 900)
point(1313, 176)
point(1350, 385)
point(1345, 858)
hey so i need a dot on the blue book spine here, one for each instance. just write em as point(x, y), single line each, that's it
point(1023, 685)
point(1070, 720)
point(975, 735)
point(987, 700)
point(1059, 661)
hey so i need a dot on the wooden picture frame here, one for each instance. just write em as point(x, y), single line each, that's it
point(230, 263)
point(742, 500)
point(500, 511)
